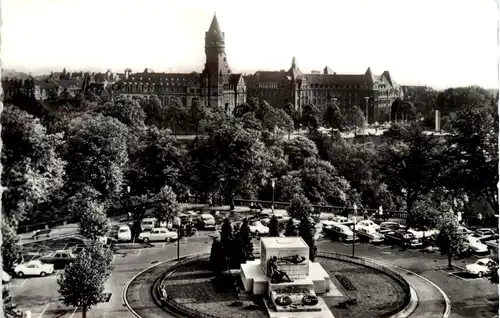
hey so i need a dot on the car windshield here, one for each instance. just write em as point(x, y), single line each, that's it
point(480, 263)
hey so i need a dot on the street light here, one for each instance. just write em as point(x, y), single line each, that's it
point(272, 185)
point(178, 238)
point(366, 118)
point(355, 209)
point(353, 235)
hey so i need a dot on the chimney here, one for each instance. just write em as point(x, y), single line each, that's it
point(437, 124)
point(127, 73)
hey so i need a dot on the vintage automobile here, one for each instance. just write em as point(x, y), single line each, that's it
point(341, 232)
point(34, 268)
point(205, 221)
point(485, 234)
point(59, 258)
point(367, 224)
point(481, 267)
point(370, 235)
point(256, 228)
point(475, 245)
point(386, 227)
point(342, 220)
point(403, 238)
point(158, 234)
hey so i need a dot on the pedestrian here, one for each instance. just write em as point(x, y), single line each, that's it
point(210, 202)
point(129, 214)
point(479, 219)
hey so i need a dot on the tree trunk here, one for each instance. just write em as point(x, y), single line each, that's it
point(84, 312)
point(449, 261)
point(231, 199)
point(289, 133)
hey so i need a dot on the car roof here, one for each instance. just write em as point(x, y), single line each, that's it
point(148, 219)
point(206, 214)
point(484, 260)
point(159, 228)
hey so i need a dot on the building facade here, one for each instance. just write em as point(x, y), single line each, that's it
point(374, 94)
point(216, 86)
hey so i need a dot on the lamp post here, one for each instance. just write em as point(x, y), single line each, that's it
point(353, 235)
point(355, 209)
point(272, 185)
point(366, 112)
point(178, 238)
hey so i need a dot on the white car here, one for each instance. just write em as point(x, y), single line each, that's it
point(367, 225)
point(257, 228)
point(464, 231)
point(342, 220)
point(5, 277)
point(34, 268)
point(158, 234)
point(420, 234)
point(480, 267)
point(121, 233)
point(475, 245)
point(327, 224)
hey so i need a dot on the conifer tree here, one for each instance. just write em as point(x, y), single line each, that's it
point(274, 226)
point(306, 231)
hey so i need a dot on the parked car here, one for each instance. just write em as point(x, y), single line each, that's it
point(419, 233)
point(147, 224)
point(485, 234)
point(341, 232)
point(342, 220)
point(327, 223)
point(370, 235)
point(480, 267)
point(121, 233)
point(6, 278)
point(59, 258)
point(77, 249)
point(476, 246)
point(205, 221)
point(256, 228)
point(158, 234)
point(403, 239)
point(367, 224)
point(464, 231)
point(34, 268)
point(386, 227)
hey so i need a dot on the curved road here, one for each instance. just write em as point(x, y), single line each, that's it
point(431, 302)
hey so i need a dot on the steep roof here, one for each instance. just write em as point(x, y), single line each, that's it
point(163, 79)
point(234, 79)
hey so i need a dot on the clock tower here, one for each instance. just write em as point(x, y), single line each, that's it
point(217, 71)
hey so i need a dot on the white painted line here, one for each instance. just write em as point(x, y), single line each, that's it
point(73, 313)
point(24, 282)
point(197, 235)
point(139, 253)
point(44, 310)
point(163, 245)
point(65, 246)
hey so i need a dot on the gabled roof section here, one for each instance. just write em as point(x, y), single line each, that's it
point(370, 76)
point(236, 79)
point(387, 76)
point(328, 71)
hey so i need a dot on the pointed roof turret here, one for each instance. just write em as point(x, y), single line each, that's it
point(214, 26)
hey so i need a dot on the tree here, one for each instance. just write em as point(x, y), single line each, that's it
point(218, 257)
point(246, 239)
point(311, 117)
point(10, 309)
point(33, 169)
point(298, 150)
point(277, 119)
point(454, 99)
point(354, 117)
point(493, 267)
point(128, 112)
point(176, 114)
point(333, 118)
point(472, 154)
point(413, 167)
point(93, 221)
point(290, 228)
point(10, 243)
point(157, 162)
point(450, 241)
point(97, 145)
point(229, 160)
point(300, 206)
point(274, 226)
point(82, 284)
point(306, 231)
point(196, 114)
point(165, 205)
point(226, 234)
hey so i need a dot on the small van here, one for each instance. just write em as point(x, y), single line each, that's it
point(124, 233)
point(147, 224)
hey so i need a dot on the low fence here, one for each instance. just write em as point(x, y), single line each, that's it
point(190, 312)
point(26, 228)
point(404, 284)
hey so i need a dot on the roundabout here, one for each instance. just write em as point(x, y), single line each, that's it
point(379, 291)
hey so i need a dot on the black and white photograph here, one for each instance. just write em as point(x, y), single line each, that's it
point(247, 159)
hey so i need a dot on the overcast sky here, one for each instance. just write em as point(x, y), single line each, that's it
point(440, 43)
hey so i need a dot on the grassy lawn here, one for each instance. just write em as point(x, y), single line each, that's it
point(49, 246)
point(376, 293)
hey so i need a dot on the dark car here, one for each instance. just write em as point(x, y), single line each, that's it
point(386, 227)
point(78, 249)
point(59, 258)
point(403, 239)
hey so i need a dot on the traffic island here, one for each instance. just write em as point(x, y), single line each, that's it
point(358, 288)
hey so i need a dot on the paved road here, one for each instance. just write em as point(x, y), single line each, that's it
point(470, 298)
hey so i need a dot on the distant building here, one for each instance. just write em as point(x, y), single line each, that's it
point(216, 86)
point(320, 89)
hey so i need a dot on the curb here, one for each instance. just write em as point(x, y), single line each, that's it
point(125, 289)
point(53, 238)
point(410, 308)
point(447, 310)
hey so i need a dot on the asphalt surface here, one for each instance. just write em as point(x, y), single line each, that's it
point(475, 297)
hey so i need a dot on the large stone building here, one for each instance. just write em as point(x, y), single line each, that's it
point(372, 93)
point(215, 86)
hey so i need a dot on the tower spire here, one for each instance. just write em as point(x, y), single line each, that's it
point(294, 63)
point(214, 26)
